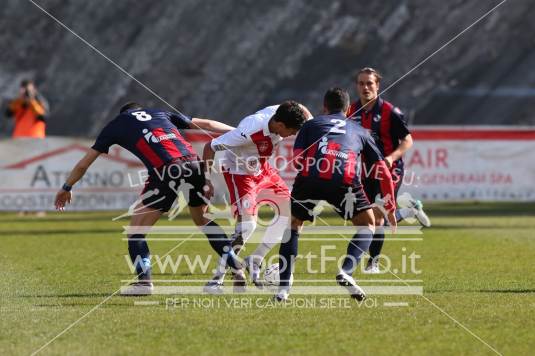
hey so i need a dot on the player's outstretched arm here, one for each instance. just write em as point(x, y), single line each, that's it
point(404, 145)
point(64, 195)
point(210, 125)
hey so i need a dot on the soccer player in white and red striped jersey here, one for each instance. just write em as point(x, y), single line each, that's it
point(251, 179)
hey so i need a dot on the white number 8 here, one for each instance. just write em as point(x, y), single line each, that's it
point(141, 115)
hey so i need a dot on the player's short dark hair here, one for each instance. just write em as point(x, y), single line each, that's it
point(130, 106)
point(336, 100)
point(371, 71)
point(25, 82)
point(291, 114)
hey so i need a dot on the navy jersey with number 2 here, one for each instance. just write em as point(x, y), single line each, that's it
point(329, 147)
point(150, 134)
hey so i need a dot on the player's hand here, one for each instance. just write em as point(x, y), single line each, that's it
point(208, 189)
point(62, 198)
point(391, 217)
point(389, 161)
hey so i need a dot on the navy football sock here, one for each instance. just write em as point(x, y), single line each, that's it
point(140, 256)
point(221, 244)
point(358, 245)
point(287, 254)
point(377, 243)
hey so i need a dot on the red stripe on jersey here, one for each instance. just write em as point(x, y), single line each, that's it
point(349, 169)
point(263, 145)
point(310, 152)
point(187, 145)
point(352, 110)
point(327, 162)
point(367, 120)
point(168, 144)
point(147, 152)
point(386, 137)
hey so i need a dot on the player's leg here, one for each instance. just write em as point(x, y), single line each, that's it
point(363, 219)
point(271, 190)
point(373, 192)
point(198, 209)
point(359, 244)
point(287, 254)
point(303, 191)
point(216, 236)
point(409, 208)
point(239, 186)
point(377, 243)
point(243, 190)
point(146, 215)
point(137, 245)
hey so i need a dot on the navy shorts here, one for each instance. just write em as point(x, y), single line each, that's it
point(348, 201)
point(165, 183)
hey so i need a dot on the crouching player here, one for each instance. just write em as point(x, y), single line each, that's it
point(249, 175)
point(327, 151)
point(152, 135)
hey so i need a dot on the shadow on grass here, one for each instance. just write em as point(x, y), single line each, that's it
point(496, 291)
point(478, 227)
point(480, 209)
point(512, 291)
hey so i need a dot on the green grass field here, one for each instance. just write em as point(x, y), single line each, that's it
point(476, 263)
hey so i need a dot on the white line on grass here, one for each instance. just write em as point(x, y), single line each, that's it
point(146, 302)
point(395, 304)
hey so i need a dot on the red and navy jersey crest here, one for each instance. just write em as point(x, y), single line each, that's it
point(386, 123)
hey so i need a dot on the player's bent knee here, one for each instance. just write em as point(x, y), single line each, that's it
point(297, 224)
point(246, 228)
point(197, 215)
point(365, 219)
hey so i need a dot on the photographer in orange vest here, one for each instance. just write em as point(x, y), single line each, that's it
point(29, 111)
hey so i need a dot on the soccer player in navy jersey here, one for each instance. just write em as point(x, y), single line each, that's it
point(388, 127)
point(152, 135)
point(328, 151)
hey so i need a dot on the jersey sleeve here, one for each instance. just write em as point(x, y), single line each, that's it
point(180, 120)
point(371, 153)
point(105, 139)
point(235, 138)
point(241, 135)
point(400, 128)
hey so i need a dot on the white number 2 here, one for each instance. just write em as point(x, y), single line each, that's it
point(141, 115)
point(338, 127)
